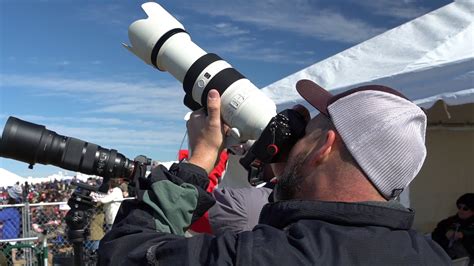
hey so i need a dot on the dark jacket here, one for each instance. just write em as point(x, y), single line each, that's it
point(290, 233)
point(454, 223)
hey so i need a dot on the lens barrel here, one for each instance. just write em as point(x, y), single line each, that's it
point(161, 41)
point(32, 143)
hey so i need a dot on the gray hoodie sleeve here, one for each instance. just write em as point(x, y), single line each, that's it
point(237, 209)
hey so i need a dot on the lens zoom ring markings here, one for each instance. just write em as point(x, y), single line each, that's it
point(195, 69)
point(221, 82)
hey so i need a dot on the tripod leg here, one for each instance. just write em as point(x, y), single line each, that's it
point(78, 254)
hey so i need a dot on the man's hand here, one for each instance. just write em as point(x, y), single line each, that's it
point(449, 234)
point(458, 235)
point(206, 133)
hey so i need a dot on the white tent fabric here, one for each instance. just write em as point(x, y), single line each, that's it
point(428, 59)
point(8, 178)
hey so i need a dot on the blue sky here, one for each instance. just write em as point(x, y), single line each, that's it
point(62, 64)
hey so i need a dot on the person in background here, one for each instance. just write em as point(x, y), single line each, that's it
point(124, 188)
point(96, 225)
point(96, 230)
point(455, 234)
point(110, 201)
point(10, 217)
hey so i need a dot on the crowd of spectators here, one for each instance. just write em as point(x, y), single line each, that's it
point(55, 191)
point(49, 219)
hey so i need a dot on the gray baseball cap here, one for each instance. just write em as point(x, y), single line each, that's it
point(382, 129)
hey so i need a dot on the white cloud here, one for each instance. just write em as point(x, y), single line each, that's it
point(32, 60)
point(158, 99)
point(79, 120)
point(407, 9)
point(241, 43)
point(114, 15)
point(63, 63)
point(299, 16)
point(248, 48)
point(228, 30)
point(117, 137)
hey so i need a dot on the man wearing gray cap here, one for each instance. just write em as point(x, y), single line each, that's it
point(332, 205)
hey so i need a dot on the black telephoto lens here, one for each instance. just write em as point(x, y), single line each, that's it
point(32, 143)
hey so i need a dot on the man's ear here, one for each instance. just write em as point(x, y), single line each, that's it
point(324, 148)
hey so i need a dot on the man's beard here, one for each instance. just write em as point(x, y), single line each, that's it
point(290, 182)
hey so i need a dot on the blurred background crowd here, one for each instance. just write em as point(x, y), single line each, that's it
point(40, 209)
point(56, 191)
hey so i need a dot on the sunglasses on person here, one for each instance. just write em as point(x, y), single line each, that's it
point(463, 207)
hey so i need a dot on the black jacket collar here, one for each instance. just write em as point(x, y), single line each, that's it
point(283, 213)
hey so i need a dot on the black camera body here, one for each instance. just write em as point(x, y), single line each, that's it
point(274, 144)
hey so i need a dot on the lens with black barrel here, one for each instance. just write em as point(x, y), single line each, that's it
point(32, 143)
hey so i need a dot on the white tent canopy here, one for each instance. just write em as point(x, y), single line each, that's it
point(428, 59)
point(8, 178)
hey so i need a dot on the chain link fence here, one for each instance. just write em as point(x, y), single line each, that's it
point(31, 234)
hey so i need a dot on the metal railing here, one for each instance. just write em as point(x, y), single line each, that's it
point(36, 234)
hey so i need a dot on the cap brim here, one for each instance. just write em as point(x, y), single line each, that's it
point(314, 94)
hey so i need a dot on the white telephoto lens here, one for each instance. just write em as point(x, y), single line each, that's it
point(161, 41)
